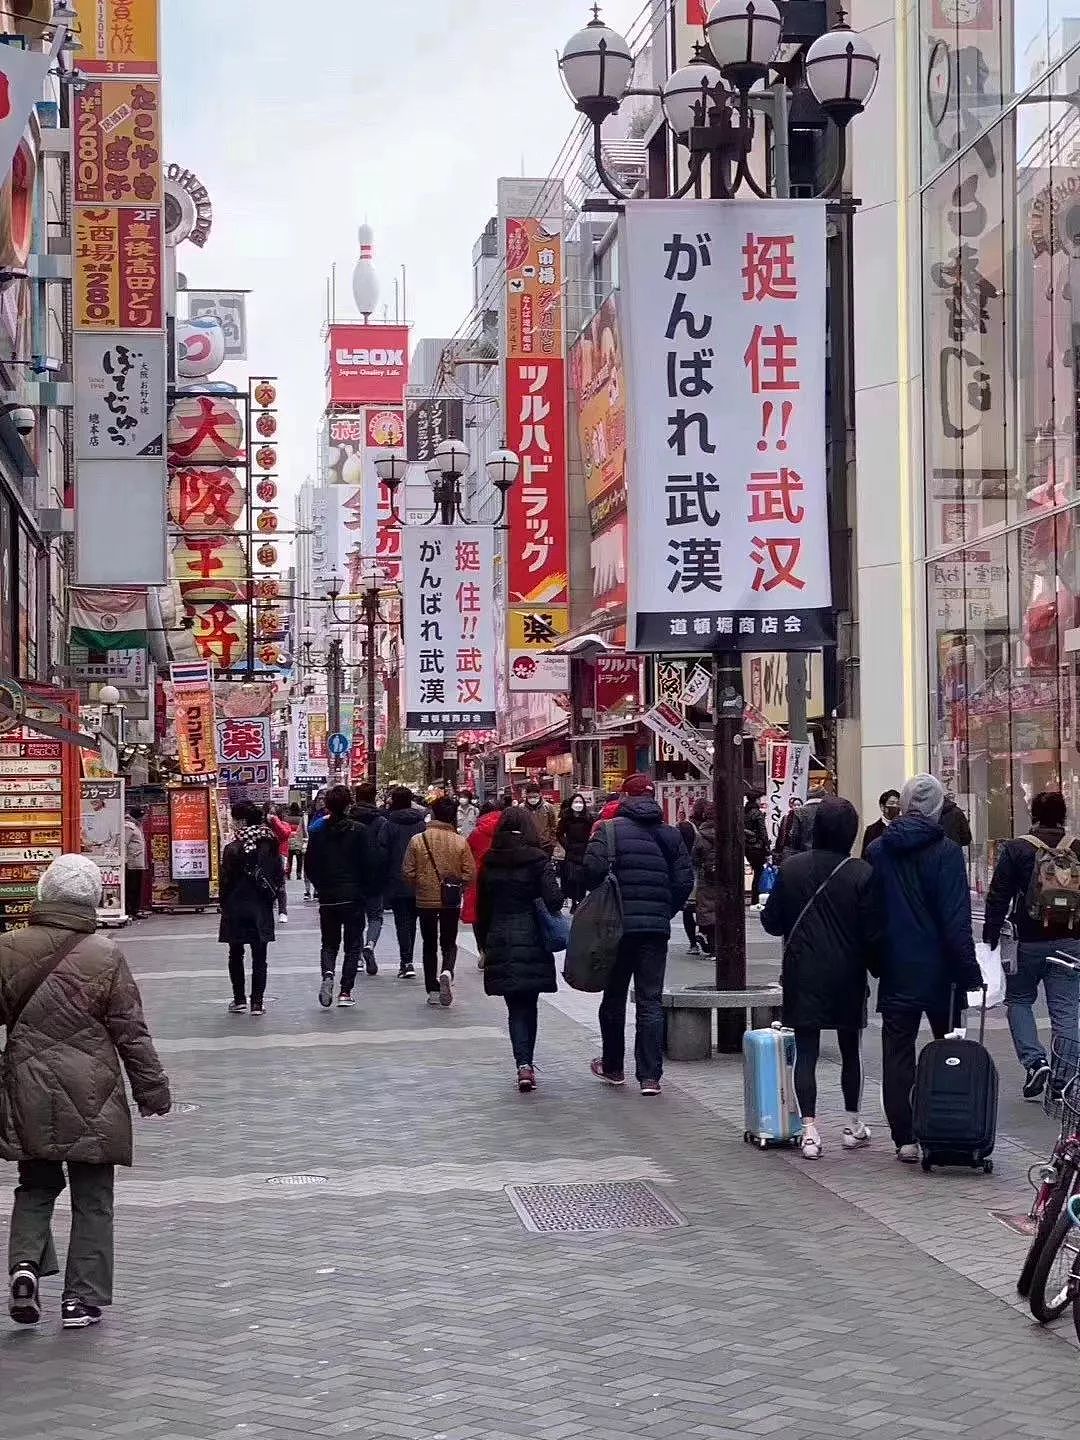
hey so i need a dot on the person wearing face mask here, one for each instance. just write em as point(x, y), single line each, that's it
point(889, 805)
point(572, 833)
point(544, 817)
point(468, 813)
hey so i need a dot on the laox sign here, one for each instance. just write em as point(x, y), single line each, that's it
point(367, 365)
point(371, 357)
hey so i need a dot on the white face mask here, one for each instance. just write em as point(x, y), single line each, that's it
point(533, 800)
point(578, 806)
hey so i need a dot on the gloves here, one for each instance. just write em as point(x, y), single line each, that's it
point(971, 977)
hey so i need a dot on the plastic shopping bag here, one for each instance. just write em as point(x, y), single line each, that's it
point(993, 974)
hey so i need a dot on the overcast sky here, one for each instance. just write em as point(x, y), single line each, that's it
point(303, 120)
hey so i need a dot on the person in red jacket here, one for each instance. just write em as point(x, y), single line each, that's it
point(282, 832)
point(479, 842)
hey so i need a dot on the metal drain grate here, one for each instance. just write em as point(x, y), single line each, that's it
point(592, 1209)
point(298, 1180)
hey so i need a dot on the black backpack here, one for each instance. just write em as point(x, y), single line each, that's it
point(596, 929)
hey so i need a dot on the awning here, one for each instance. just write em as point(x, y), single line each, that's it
point(533, 749)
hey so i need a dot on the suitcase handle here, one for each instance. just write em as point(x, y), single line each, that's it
point(982, 1014)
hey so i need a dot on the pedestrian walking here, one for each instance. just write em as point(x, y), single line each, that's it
point(74, 1023)
point(336, 864)
point(928, 957)
point(405, 820)
point(1036, 884)
point(439, 865)
point(252, 877)
point(655, 877)
point(297, 842)
point(575, 825)
point(955, 823)
point(479, 843)
point(688, 829)
point(544, 816)
point(376, 827)
point(889, 805)
point(825, 905)
point(281, 830)
point(705, 892)
point(796, 833)
point(755, 843)
point(134, 863)
point(517, 875)
point(468, 814)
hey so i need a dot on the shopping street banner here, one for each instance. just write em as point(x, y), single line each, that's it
point(669, 725)
point(193, 702)
point(189, 828)
point(120, 397)
point(449, 628)
point(787, 774)
point(723, 309)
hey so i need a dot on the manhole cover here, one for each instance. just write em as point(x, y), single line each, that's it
point(592, 1209)
point(1022, 1224)
point(298, 1180)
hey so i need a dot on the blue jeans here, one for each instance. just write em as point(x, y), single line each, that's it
point(1062, 999)
point(643, 959)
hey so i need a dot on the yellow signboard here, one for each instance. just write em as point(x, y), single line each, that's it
point(120, 37)
point(537, 627)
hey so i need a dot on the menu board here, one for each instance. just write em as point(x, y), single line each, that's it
point(163, 893)
point(38, 777)
point(101, 839)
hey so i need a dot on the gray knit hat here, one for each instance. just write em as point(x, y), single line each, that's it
point(923, 795)
point(71, 880)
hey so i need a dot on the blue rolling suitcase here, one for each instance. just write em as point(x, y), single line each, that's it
point(771, 1110)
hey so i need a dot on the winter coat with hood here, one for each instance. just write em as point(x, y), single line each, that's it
point(250, 881)
point(516, 957)
point(479, 842)
point(376, 827)
point(955, 824)
point(62, 1093)
point(402, 825)
point(756, 834)
point(839, 939)
point(337, 863)
point(444, 856)
point(926, 910)
point(704, 858)
point(1012, 876)
point(651, 864)
point(797, 830)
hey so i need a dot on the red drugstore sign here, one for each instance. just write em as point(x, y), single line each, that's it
point(539, 525)
point(368, 364)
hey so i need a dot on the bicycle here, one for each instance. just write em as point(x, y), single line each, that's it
point(1073, 1212)
point(1055, 1180)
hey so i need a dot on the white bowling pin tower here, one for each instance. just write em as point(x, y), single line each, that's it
point(365, 282)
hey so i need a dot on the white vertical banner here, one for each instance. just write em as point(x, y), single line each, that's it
point(724, 307)
point(449, 645)
point(787, 775)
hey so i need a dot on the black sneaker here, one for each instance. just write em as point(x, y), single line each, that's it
point(326, 992)
point(1035, 1081)
point(24, 1301)
point(407, 972)
point(78, 1315)
point(371, 965)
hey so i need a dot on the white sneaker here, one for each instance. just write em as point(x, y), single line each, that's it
point(434, 999)
point(811, 1146)
point(908, 1154)
point(856, 1139)
point(283, 919)
point(446, 989)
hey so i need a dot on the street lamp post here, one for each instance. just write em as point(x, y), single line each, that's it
point(334, 665)
point(711, 106)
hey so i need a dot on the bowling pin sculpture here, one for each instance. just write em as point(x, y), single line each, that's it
point(365, 282)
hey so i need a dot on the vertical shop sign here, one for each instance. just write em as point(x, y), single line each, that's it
point(383, 430)
point(120, 37)
point(726, 395)
point(193, 699)
point(787, 774)
point(449, 631)
point(189, 827)
point(101, 839)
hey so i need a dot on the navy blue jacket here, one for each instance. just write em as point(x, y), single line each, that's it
point(401, 826)
point(336, 862)
point(1009, 887)
point(651, 865)
point(923, 887)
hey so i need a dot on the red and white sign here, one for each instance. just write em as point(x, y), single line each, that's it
point(618, 684)
point(539, 526)
point(368, 364)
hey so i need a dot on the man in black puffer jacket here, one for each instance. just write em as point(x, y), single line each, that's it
point(377, 829)
point(404, 820)
point(656, 878)
point(337, 863)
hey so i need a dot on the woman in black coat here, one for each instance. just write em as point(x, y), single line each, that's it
point(252, 873)
point(517, 961)
point(825, 905)
point(575, 825)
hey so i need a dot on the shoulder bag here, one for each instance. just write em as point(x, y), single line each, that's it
point(65, 948)
point(813, 898)
point(451, 892)
point(596, 929)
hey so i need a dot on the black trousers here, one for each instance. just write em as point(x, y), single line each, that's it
point(899, 1033)
point(438, 933)
point(133, 886)
point(807, 1049)
point(337, 924)
point(89, 1273)
point(522, 1014)
point(258, 972)
point(756, 872)
point(405, 912)
point(294, 857)
point(689, 920)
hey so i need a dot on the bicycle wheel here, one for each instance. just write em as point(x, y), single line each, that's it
point(1043, 1231)
point(1051, 1283)
point(1076, 1295)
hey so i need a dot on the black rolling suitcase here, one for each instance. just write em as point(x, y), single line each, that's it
point(955, 1102)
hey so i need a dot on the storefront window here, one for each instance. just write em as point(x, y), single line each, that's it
point(7, 606)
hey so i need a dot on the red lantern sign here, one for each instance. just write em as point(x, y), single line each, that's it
point(210, 569)
point(220, 635)
point(267, 555)
point(265, 394)
point(266, 490)
point(269, 586)
point(205, 498)
point(267, 521)
point(204, 429)
point(266, 457)
point(266, 425)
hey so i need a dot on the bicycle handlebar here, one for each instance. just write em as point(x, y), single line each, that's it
point(1065, 962)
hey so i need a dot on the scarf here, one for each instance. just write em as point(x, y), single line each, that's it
point(250, 835)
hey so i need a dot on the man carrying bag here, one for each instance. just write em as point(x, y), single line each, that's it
point(645, 862)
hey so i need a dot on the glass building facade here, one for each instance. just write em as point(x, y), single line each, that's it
point(1000, 260)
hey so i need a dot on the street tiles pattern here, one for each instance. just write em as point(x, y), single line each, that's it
point(416, 1307)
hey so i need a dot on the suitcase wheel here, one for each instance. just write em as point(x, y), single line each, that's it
point(927, 1164)
point(763, 1144)
point(988, 1167)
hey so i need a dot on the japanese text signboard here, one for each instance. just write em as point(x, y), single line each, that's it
point(449, 628)
point(119, 268)
point(367, 364)
point(383, 429)
point(193, 700)
point(119, 402)
point(787, 772)
point(101, 839)
point(724, 309)
point(120, 37)
point(118, 143)
point(245, 758)
point(429, 422)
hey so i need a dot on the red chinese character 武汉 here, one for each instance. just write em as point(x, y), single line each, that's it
point(781, 554)
point(771, 495)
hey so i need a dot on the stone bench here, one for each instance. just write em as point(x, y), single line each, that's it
point(688, 1016)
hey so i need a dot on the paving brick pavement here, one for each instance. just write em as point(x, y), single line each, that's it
point(402, 1297)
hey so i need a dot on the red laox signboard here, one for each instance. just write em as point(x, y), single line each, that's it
point(367, 364)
